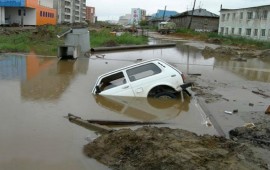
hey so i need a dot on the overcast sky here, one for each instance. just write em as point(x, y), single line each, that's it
point(113, 9)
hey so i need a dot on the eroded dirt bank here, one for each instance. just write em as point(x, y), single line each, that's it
point(165, 148)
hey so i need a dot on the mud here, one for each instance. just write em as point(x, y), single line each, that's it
point(235, 52)
point(257, 134)
point(165, 148)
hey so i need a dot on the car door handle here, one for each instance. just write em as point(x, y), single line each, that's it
point(173, 75)
point(125, 87)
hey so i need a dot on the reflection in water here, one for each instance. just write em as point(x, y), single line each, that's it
point(144, 109)
point(41, 77)
point(53, 78)
point(254, 69)
point(12, 67)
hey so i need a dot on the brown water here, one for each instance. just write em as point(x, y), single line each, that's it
point(37, 92)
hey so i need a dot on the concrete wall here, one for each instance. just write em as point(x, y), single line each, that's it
point(248, 22)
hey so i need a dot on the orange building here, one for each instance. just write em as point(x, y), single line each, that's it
point(27, 12)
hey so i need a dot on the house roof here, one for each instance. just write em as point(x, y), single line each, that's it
point(197, 12)
point(167, 14)
point(223, 9)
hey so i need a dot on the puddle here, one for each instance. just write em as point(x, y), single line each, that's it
point(37, 92)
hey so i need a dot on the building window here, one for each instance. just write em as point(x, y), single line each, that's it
point(239, 31)
point(269, 33)
point(67, 17)
point(221, 30)
point(265, 14)
point(257, 15)
point(40, 13)
point(249, 15)
point(223, 17)
point(232, 30)
point(248, 32)
point(228, 16)
point(226, 31)
point(241, 15)
point(263, 32)
point(20, 12)
point(255, 32)
point(233, 15)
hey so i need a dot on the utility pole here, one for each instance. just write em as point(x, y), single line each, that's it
point(164, 13)
point(189, 25)
point(22, 14)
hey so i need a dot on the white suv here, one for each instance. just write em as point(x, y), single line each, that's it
point(151, 78)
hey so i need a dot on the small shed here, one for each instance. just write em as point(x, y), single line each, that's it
point(77, 43)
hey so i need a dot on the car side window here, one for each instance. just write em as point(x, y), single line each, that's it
point(143, 71)
point(112, 81)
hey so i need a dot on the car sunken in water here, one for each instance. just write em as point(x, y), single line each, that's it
point(151, 78)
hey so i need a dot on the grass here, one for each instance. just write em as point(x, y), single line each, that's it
point(43, 42)
point(105, 38)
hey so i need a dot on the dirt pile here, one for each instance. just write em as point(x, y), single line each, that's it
point(165, 148)
point(257, 134)
point(234, 52)
point(219, 52)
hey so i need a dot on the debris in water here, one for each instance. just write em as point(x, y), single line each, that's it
point(228, 112)
point(267, 110)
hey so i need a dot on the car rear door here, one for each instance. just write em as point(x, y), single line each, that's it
point(143, 77)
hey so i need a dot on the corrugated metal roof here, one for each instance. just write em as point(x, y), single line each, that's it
point(197, 12)
point(12, 3)
point(160, 13)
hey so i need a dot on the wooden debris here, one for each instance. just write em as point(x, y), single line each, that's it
point(267, 110)
point(260, 93)
point(115, 122)
point(92, 126)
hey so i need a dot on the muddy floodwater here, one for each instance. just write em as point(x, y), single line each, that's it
point(36, 93)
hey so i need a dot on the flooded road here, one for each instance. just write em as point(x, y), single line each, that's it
point(38, 92)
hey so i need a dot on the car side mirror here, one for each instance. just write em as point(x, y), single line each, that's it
point(98, 90)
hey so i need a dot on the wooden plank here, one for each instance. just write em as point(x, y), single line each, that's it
point(91, 126)
point(122, 122)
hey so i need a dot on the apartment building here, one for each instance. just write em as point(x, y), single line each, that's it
point(27, 12)
point(253, 22)
point(70, 11)
point(137, 15)
point(90, 14)
point(125, 20)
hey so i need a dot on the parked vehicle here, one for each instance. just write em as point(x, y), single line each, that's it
point(151, 78)
point(166, 27)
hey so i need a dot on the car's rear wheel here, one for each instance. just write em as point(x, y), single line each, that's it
point(162, 100)
point(165, 96)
